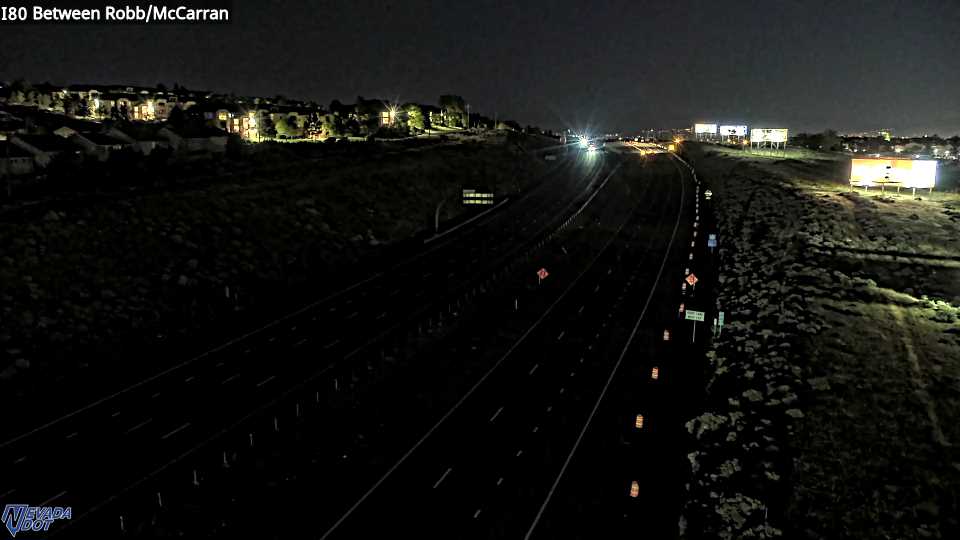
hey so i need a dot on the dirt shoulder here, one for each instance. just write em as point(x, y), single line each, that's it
point(834, 402)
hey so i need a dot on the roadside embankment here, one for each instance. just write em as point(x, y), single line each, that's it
point(114, 277)
point(834, 387)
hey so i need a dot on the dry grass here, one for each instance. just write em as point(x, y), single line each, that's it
point(874, 452)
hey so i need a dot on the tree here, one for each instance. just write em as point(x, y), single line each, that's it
point(287, 126)
point(176, 117)
point(267, 128)
point(830, 141)
point(415, 120)
point(83, 108)
point(453, 108)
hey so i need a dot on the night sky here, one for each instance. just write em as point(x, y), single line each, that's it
point(806, 65)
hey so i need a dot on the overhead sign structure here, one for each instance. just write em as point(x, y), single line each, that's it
point(733, 131)
point(471, 196)
point(908, 173)
point(705, 129)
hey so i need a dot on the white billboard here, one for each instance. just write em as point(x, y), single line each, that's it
point(909, 173)
point(760, 135)
point(733, 131)
point(709, 129)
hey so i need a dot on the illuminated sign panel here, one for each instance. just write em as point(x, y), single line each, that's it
point(710, 129)
point(733, 131)
point(473, 197)
point(768, 135)
point(909, 173)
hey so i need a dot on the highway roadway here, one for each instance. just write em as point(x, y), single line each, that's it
point(494, 466)
point(119, 441)
point(447, 395)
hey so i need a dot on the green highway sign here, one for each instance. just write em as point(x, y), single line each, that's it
point(692, 315)
point(721, 318)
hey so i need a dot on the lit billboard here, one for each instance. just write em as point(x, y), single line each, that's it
point(909, 173)
point(768, 135)
point(733, 131)
point(709, 129)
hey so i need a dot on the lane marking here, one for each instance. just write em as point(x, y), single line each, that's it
point(155, 396)
point(437, 484)
point(477, 513)
point(536, 429)
point(331, 344)
point(138, 426)
point(480, 381)
point(230, 378)
point(190, 378)
point(561, 335)
point(20, 460)
point(174, 432)
point(55, 497)
point(72, 435)
point(519, 452)
point(114, 415)
point(613, 372)
point(534, 368)
point(496, 414)
point(301, 342)
point(499, 480)
point(265, 381)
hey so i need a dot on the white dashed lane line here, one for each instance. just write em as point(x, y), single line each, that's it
point(301, 342)
point(138, 426)
point(496, 414)
point(534, 368)
point(331, 344)
point(444, 475)
point(230, 378)
point(55, 497)
point(265, 381)
point(174, 432)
